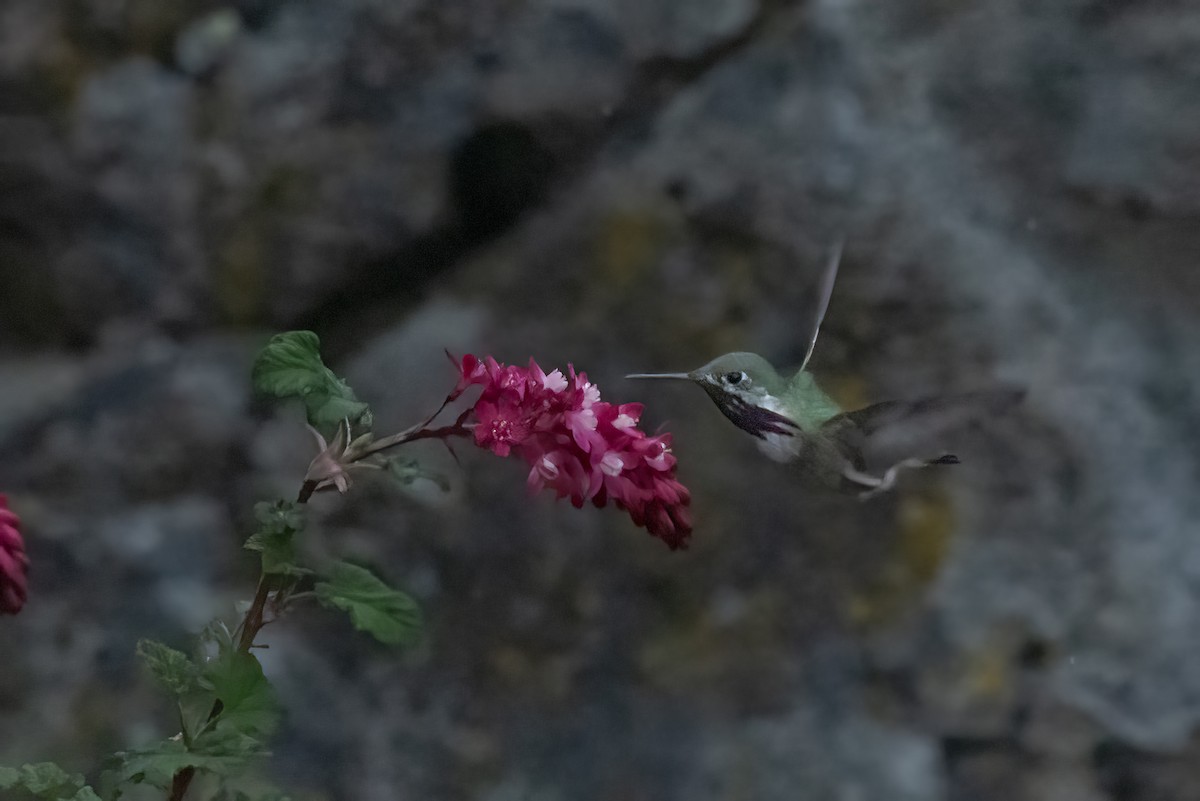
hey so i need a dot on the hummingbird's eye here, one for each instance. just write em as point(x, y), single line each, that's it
point(734, 377)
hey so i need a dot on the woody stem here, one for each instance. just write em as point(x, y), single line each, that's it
point(252, 623)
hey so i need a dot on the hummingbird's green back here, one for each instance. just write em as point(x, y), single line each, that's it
point(807, 403)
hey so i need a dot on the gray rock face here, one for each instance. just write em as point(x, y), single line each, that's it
point(625, 186)
point(133, 141)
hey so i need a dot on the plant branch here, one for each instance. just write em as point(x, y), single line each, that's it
point(413, 434)
point(253, 620)
point(251, 624)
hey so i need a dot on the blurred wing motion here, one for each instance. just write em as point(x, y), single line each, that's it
point(887, 434)
point(825, 293)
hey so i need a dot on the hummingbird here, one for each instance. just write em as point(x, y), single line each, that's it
point(797, 423)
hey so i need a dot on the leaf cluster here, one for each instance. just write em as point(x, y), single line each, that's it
point(226, 708)
point(45, 780)
point(227, 712)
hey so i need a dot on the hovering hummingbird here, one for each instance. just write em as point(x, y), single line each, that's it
point(797, 423)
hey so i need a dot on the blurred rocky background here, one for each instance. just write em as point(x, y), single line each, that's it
point(629, 185)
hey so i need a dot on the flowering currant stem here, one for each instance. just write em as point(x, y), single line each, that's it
point(416, 433)
point(252, 623)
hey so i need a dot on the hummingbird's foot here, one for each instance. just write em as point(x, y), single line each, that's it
point(874, 485)
point(871, 484)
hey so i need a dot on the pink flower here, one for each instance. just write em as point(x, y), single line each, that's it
point(576, 444)
point(500, 426)
point(14, 565)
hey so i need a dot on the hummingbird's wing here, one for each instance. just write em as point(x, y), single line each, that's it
point(825, 293)
point(885, 434)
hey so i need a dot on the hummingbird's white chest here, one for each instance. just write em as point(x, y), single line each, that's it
point(778, 447)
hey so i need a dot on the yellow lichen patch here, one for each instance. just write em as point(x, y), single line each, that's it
point(549, 675)
point(988, 673)
point(719, 644)
point(62, 68)
point(511, 664)
point(849, 391)
point(153, 25)
point(239, 275)
point(975, 689)
point(924, 528)
point(629, 246)
point(244, 257)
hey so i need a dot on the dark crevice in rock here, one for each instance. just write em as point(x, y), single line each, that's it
point(140, 27)
point(1117, 766)
point(388, 286)
point(500, 171)
point(257, 14)
point(958, 748)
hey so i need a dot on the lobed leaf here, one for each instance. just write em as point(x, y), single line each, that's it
point(48, 781)
point(170, 668)
point(158, 764)
point(279, 523)
point(390, 616)
point(248, 705)
point(290, 366)
point(280, 514)
point(328, 406)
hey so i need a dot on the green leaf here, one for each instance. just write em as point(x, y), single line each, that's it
point(278, 552)
point(248, 705)
point(223, 742)
point(390, 616)
point(158, 764)
point(170, 668)
point(83, 794)
point(290, 366)
point(279, 523)
point(281, 514)
point(47, 781)
point(328, 406)
point(408, 471)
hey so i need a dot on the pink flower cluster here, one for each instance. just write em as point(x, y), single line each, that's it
point(577, 444)
point(14, 565)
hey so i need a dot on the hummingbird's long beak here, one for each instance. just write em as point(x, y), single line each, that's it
point(675, 376)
